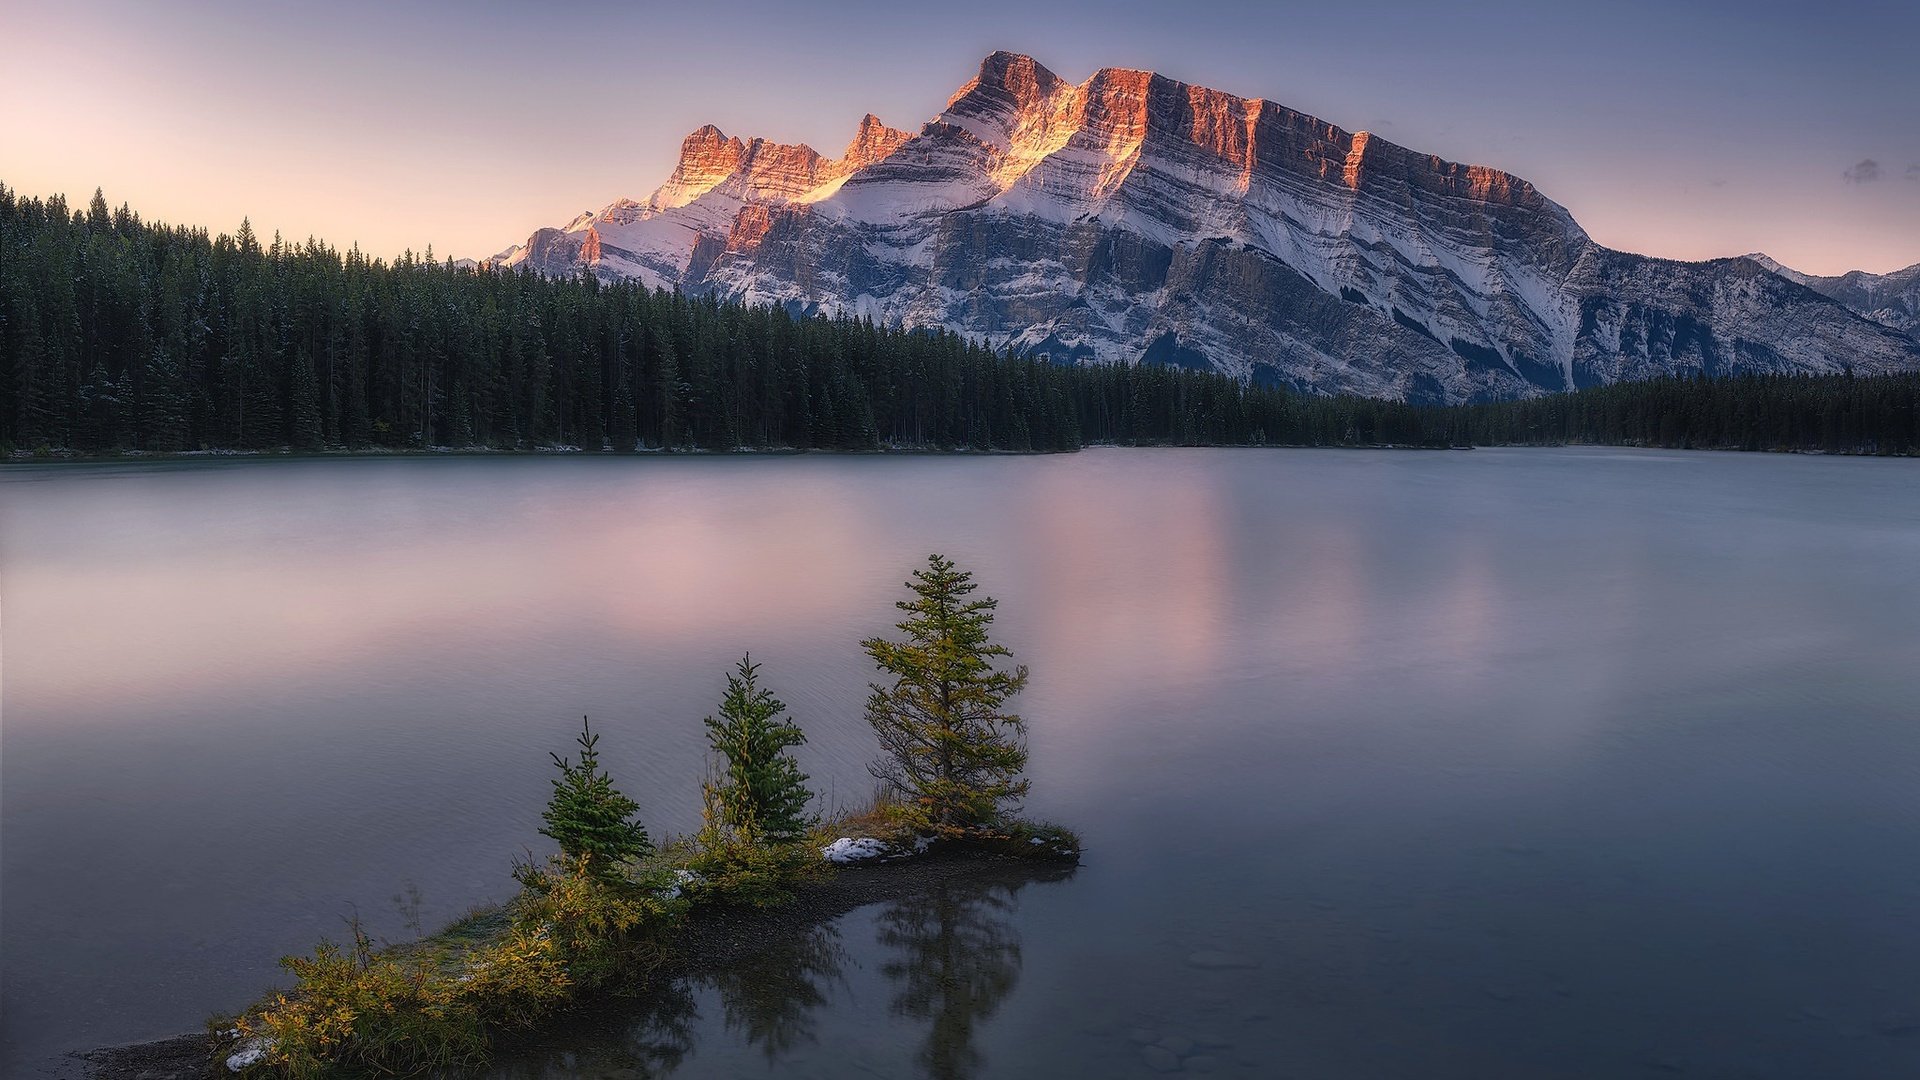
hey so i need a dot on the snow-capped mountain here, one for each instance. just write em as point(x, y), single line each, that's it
point(1131, 217)
point(1890, 299)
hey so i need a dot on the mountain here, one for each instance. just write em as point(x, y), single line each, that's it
point(718, 183)
point(1891, 299)
point(1133, 218)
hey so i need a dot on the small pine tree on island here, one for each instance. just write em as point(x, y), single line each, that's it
point(761, 794)
point(952, 756)
point(591, 820)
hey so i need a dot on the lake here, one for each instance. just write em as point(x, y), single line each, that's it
point(1501, 763)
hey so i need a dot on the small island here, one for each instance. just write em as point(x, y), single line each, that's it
point(615, 915)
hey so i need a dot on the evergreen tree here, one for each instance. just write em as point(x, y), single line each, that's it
point(761, 794)
point(621, 430)
point(303, 428)
point(588, 817)
point(951, 754)
point(163, 404)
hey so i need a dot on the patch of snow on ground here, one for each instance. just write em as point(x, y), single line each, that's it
point(251, 1053)
point(681, 879)
point(849, 849)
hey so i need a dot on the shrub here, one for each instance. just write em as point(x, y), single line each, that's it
point(604, 929)
point(357, 1009)
point(516, 979)
point(731, 871)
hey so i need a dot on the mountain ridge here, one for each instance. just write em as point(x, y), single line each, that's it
point(1891, 299)
point(1131, 217)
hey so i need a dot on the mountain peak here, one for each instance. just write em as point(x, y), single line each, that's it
point(1007, 79)
point(1000, 64)
point(707, 157)
point(1772, 265)
point(872, 142)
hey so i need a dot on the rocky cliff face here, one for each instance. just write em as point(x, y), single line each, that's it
point(1133, 218)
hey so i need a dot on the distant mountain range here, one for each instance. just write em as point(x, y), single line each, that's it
point(1889, 299)
point(1133, 218)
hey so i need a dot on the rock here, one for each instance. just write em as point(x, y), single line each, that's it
point(1180, 1045)
point(1143, 1036)
point(1160, 1059)
point(1203, 1063)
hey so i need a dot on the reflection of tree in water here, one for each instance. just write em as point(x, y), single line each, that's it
point(771, 997)
point(954, 957)
point(645, 1039)
point(957, 958)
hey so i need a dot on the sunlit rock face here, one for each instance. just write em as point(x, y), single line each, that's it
point(1891, 299)
point(1134, 218)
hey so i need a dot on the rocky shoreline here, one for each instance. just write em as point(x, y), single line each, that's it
point(710, 942)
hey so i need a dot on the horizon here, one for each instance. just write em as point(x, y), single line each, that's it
point(338, 145)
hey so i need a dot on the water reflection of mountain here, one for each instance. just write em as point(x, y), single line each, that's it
point(948, 949)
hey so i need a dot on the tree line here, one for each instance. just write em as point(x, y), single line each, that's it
point(119, 335)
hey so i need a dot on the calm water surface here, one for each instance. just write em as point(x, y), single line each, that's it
point(1489, 764)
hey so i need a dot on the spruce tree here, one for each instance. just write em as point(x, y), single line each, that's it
point(163, 406)
point(761, 794)
point(588, 817)
point(952, 756)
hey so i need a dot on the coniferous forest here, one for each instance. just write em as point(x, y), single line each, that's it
point(118, 335)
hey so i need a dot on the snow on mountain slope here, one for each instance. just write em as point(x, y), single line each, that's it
point(1134, 218)
point(1891, 299)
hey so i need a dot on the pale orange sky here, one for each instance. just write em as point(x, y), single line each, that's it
point(1717, 131)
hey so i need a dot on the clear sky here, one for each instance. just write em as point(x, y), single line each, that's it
point(1686, 130)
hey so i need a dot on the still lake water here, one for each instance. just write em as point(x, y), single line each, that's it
point(1516, 763)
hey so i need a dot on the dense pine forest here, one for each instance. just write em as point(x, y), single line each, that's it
point(118, 335)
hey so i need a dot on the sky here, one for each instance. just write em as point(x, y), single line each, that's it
point(1676, 129)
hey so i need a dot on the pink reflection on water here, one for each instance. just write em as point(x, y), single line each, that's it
point(1132, 576)
point(714, 568)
